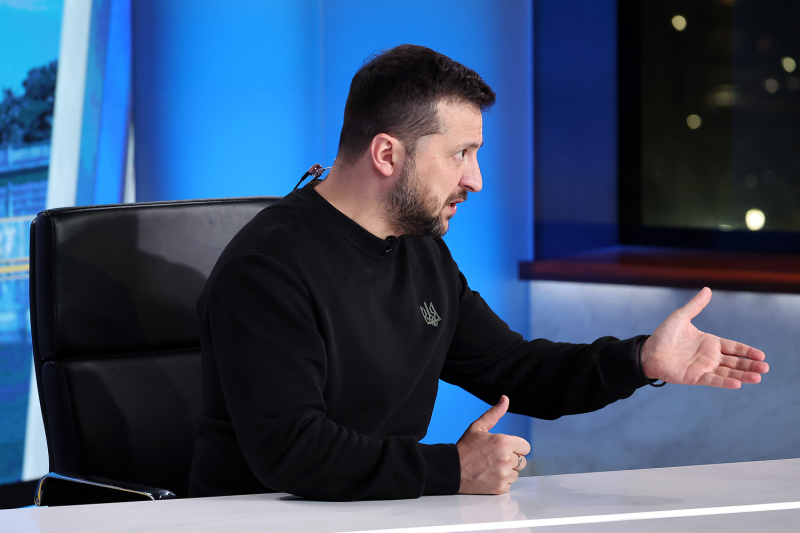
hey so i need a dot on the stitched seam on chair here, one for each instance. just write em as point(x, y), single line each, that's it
point(68, 410)
point(164, 202)
point(55, 303)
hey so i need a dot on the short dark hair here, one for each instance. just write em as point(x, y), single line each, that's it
point(396, 92)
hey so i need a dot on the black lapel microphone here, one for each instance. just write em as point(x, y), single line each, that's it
point(315, 171)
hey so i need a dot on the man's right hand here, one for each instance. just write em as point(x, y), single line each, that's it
point(490, 462)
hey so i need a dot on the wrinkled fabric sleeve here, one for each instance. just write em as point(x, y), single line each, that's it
point(272, 365)
point(542, 379)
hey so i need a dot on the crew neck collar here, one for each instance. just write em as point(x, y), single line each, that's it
point(351, 229)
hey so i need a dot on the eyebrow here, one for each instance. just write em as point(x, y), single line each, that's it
point(470, 145)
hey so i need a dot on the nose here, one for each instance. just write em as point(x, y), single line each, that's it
point(471, 180)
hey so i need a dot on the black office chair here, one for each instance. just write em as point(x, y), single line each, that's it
point(116, 344)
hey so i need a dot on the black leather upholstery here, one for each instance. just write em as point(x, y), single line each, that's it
point(115, 335)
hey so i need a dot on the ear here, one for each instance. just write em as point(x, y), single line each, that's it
point(386, 154)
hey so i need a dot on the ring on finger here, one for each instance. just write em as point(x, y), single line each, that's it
point(519, 462)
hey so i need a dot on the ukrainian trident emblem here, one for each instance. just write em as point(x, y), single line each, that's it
point(429, 314)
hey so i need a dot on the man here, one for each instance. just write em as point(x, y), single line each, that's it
point(329, 319)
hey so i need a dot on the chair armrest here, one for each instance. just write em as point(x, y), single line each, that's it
point(56, 489)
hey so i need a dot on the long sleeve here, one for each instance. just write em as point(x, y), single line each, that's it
point(542, 378)
point(273, 370)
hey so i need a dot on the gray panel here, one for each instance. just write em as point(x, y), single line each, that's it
point(673, 425)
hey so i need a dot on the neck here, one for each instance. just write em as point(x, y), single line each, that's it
point(359, 194)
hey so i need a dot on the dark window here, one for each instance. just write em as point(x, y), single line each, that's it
point(709, 103)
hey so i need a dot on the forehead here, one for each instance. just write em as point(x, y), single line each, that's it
point(461, 123)
point(461, 120)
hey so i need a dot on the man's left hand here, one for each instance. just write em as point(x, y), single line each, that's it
point(678, 352)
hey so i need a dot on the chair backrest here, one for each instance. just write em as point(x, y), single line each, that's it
point(115, 336)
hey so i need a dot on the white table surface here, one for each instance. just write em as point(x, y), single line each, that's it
point(757, 496)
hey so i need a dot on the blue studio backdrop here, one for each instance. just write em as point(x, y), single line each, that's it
point(240, 98)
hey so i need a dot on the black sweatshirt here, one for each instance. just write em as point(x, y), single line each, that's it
point(322, 347)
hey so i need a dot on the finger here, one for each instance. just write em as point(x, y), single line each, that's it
point(738, 375)
point(744, 377)
point(511, 477)
point(741, 350)
point(745, 365)
point(713, 380)
point(521, 463)
point(696, 304)
point(750, 378)
point(488, 419)
point(519, 445)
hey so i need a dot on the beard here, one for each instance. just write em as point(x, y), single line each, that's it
point(414, 211)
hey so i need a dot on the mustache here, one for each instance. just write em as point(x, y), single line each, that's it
point(460, 196)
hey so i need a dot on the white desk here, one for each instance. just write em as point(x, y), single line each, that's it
point(728, 497)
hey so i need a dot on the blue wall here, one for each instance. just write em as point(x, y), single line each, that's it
point(226, 96)
point(106, 108)
point(576, 126)
point(241, 97)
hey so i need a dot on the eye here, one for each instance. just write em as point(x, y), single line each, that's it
point(461, 155)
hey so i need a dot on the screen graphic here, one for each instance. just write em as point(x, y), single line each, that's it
point(29, 44)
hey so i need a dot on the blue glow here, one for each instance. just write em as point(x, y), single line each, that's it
point(93, 102)
point(30, 35)
point(112, 149)
point(226, 97)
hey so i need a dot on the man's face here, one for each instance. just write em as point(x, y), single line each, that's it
point(439, 176)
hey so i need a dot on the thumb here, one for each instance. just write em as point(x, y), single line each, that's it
point(696, 304)
point(490, 417)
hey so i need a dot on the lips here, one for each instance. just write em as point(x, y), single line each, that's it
point(457, 198)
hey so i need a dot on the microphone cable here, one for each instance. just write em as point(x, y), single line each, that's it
point(315, 171)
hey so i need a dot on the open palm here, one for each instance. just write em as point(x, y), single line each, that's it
point(678, 352)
